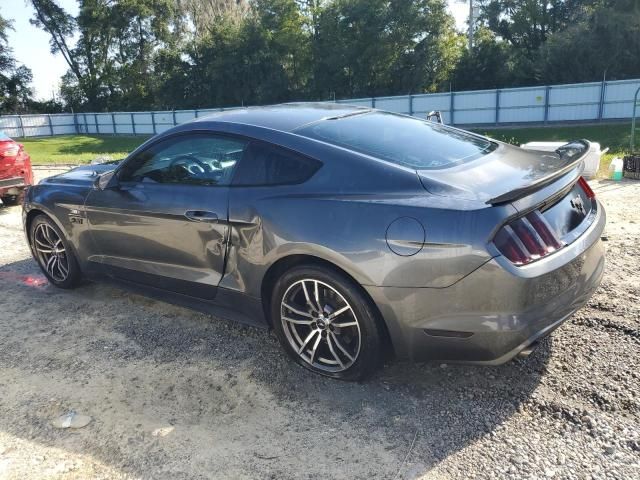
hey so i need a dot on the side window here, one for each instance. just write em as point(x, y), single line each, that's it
point(194, 159)
point(267, 165)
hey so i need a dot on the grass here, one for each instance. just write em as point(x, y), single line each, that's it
point(616, 136)
point(76, 149)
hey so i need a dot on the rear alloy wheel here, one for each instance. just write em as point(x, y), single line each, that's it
point(53, 254)
point(325, 323)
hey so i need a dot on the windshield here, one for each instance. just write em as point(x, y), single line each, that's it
point(400, 139)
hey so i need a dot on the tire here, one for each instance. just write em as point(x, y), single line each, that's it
point(53, 253)
point(11, 200)
point(347, 343)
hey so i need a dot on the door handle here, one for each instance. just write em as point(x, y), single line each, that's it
point(201, 216)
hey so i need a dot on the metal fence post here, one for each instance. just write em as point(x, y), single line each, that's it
point(153, 122)
point(174, 118)
point(411, 105)
point(133, 124)
point(196, 112)
point(50, 125)
point(113, 123)
point(95, 119)
point(75, 123)
point(497, 106)
point(547, 92)
point(20, 122)
point(603, 91)
point(452, 107)
point(373, 102)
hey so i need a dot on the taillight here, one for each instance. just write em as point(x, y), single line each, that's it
point(10, 150)
point(586, 188)
point(526, 239)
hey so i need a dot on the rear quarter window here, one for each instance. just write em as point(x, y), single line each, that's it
point(400, 139)
point(265, 164)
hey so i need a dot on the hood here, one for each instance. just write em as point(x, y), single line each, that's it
point(506, 174)
point(83, 175)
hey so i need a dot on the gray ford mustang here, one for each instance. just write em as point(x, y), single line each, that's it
point(353, 233)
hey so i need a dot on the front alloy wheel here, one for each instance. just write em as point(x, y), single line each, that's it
point(52, 252)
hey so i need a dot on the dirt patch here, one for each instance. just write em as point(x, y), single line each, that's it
point(177, 394)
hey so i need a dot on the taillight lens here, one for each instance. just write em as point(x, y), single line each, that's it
point(526, 239)
point(10, 150)
point(586, 188)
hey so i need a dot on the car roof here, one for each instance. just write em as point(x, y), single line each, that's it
point(285, 117)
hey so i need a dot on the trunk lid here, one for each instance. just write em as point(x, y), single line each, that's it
point(508, 173)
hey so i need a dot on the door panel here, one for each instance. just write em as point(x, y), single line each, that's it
point(163, 220)
point(144, 229)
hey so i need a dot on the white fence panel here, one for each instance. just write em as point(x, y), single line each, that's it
point(618, 98)
point(423, 104)
point(185, 115)
point(363, 102)
point(578, 102)
point(393, 104)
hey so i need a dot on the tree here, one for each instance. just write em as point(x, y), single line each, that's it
point(376, 47)
point(606, 43)
point(525, 26)
point(111, 65)
point(15, 79)
point(486, 65)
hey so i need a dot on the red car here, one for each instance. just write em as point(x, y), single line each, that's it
point(15, 170)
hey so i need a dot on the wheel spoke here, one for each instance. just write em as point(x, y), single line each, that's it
point(295, 310)
point(41, 243)
point(333, 352)
point(50, 264)
point(345, 324)
point(315, 348)
point(307, 340)
point(61, 270)
point(47, 234)
point(338, 312)
point(308, 298)
point(342, 349)
point(43, 250)
point(317, 296)
point(296, 321)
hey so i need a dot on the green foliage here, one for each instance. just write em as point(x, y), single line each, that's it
point(76, 149)
point(376, 47)
point(15, 92)
point(171, 54)
point(547, 42)
point(608, 41)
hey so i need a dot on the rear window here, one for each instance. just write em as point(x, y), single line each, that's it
point(399, 139)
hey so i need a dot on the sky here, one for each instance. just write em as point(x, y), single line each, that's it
point(31, 45)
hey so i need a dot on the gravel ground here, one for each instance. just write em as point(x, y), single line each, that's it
point(177, 394)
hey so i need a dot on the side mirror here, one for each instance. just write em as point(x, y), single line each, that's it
point(435, 116)
point(106, 180)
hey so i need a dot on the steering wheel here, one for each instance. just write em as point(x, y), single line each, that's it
point(191, 164)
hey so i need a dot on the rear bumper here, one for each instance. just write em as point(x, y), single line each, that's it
point(492, 314)
point(12, 182)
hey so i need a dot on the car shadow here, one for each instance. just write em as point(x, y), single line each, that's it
point(136, 364)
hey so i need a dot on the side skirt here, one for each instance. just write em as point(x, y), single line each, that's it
point(228, 304)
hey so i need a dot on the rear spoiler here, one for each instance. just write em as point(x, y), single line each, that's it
point(572, 153)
